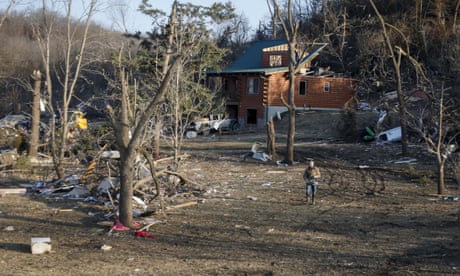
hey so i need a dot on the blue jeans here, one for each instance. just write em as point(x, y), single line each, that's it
point(310, 188)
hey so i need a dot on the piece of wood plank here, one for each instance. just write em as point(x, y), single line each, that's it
point(182, 205)
point(13, 191)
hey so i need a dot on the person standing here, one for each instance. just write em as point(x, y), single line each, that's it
point(311, 176)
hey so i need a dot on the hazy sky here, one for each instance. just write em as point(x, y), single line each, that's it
point(253, 10)
point(108, 13)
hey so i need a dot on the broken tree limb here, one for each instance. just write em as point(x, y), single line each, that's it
point(183, 178)
point(155, 162)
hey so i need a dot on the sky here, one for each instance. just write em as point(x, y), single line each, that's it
point(253, 10)
point(108, 13)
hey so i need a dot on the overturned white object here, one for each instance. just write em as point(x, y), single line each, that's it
point(40, 245)
point(110, 154)
point(261, 156)
point(389, 136)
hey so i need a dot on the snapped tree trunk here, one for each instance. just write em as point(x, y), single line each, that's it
point(35, 131)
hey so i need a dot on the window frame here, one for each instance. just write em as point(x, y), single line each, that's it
point(327, 87)
point(251, 88)
point(305, 88)
point(275, 60)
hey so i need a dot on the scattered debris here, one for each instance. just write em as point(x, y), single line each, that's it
point(40, 245)
point(389, 136)
point(5, 191)
point(405, 161)
point(255, 153)
point(105, 247)
point(140, 233)
point(118, 226)
point(183, 205)
point(9, 229)
point(77, 192)
point(450, 198)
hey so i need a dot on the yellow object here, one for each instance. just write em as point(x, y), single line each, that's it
point(80, 120)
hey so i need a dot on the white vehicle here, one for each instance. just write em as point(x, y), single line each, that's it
point(214, 123)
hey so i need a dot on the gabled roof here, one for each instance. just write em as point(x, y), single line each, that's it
point(251, 60)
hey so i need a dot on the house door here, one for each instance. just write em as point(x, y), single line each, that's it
point(232, 111)
point(251, 117)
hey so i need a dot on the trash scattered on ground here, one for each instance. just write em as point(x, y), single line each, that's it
point(276, 172)
point(405, 160)
point(40, 245)
point(143, 234)
point(106, 247)
point(118, 226)
point(252, 198)
point(9, 228)
point(389, 136)
point(5, 191)
point(282, 163)
point(256, 153)
point(183, 205)
point(450, 198)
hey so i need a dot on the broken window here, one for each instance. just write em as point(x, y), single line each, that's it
point(302, 88)
point(275, 60)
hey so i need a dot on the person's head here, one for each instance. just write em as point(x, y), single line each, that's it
point(311, 163)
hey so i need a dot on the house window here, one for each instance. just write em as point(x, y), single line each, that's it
point(253, 85)
point(327, 86)
point(302, 88)
point(275, 60)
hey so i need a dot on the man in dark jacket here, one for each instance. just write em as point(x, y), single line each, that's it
point(311, 176)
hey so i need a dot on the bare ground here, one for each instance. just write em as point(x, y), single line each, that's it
point(381, 219)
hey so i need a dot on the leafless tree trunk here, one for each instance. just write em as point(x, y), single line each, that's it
point(271, 139)
point(35, 128)
point(290, 28)
point(6, 11)
point(127, 143)
point(71, 73)
point(396, 59)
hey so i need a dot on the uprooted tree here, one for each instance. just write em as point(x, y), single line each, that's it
point(179, 41)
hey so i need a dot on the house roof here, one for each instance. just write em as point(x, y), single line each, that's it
point(251, 60)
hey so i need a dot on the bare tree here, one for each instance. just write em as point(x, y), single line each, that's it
point(396, 60)
point(173, 57)
point(290, 27)
point(436, 123)
point(35, 125)
point(4, 15)
point(74, 50)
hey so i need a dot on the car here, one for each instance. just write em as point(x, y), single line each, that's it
point(210, 124)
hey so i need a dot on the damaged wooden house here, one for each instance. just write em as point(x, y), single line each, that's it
point(256, 82)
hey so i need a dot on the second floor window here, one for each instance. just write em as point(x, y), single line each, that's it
point(302, 88)
point(253, 86)
point(275, 60)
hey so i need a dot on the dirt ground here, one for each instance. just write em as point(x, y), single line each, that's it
point(375, 215)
